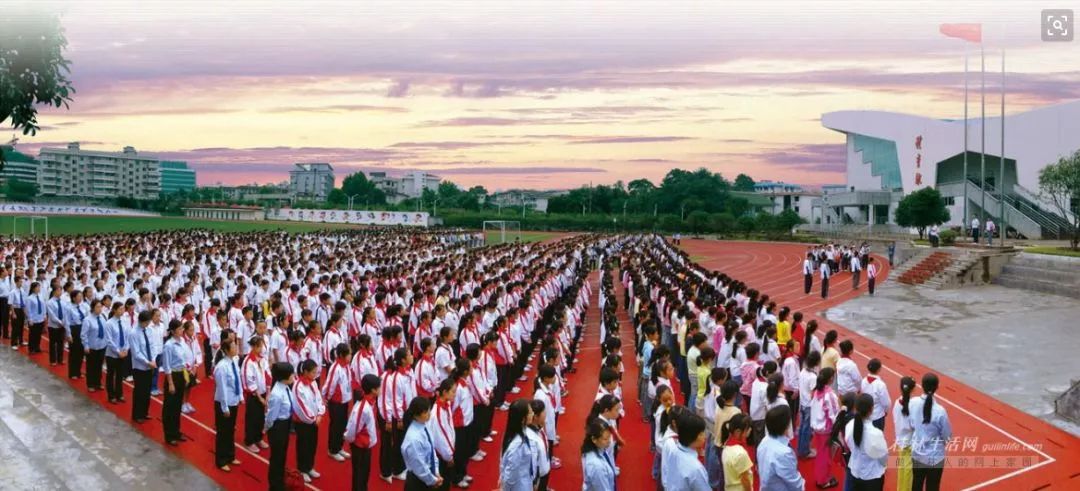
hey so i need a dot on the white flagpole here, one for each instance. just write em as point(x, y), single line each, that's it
point(982, 148)
point(964, 220)
point(1001, 168)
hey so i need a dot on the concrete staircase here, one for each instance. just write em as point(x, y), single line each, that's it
point(908, 259)
point(927, 268)
point(1042, 273)
point(955, 271)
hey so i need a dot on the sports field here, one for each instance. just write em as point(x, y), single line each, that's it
point(493, 237)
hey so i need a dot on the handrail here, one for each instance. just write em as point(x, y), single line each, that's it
point(1021, 206)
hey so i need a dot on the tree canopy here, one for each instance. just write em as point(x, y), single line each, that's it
point(680, 193)
point(363, 191)
point(1060, 182)
point(743, 182)
point(922, 209)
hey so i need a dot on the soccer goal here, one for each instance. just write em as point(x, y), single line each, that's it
point(502, 231)
point(33, 219)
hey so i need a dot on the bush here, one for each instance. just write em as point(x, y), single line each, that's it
point(948, 236)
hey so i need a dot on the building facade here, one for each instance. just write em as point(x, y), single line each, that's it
point(409, 186)
point(176, 177)
point(890, 155)
point(311, 181)
point(18, 165)
point(784, 196)
point(72, 172)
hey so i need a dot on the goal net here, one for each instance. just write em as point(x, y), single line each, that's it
point(33, 227)
point(501, 231)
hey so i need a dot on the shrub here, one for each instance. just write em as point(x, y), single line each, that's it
point(948, 236)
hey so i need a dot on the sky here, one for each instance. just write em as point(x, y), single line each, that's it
point(510, 94)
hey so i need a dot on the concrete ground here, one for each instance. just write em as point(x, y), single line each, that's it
point(52, 437)
point(1017, 346)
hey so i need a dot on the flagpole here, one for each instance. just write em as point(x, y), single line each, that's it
point(982, 148)
point(1001, 167)
point(964, 220)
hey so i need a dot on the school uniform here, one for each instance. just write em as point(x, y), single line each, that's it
point(142, 355)
point(465, 433)
point(228, 394)
point(516, 467)
point(876, 387)
point(256, 377)
point(686, 472)
point(117, 357)
point(826, 272)
point(427, 377)
point(848, 378)
point(808, 276)
point(76, 315)
point(421, 462)
point(58, 325)
point(16, 299)
point(94, 338)
point(928, 443)
point(174, 367)
point(362, 434)
point(394, 396)
point(866, 466)
point(35, 315)
point(307, 410)
point(441, 427)
point(279, 412)
point(598, 472)
point(541, 455)
point(338, 393)
point(6, 285)
point(871, 277)
point(777, 466)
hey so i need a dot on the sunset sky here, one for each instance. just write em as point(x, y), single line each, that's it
point(550, 95)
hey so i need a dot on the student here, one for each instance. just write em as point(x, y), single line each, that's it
point(848, 378)
point(464, 423)
point(35, 315)
point(669, 443)
point(441, 427)
point(427, 374)
point(96, 341)
point(903, 431)
point(856, 270)
point(931, 431)
point(830, 355)
point(598, 471)
point(481, 391)
point(337, 392)
point(307, 415)
point(647, 347)
point(871, 274)
point(866, 467)
point(362, 431)
point(824, 408)
point(807, 381)
point(606, 409)
point(76, 314)
point(874, 386)
point(397, 388)
point(279, 422)
point(826, 272)
point(545, 393)
point(696, 341)
point(16, 299)
point(726, 409)
point(418, 448)
point(176, 377)
point(257, 376)
point(227, 396)
point(777, 465)
point(838, 437)
point(144, 368)
point(116, 355)
point(759, 400)
point(748, 371)
point(735, 454)
point(539, 443)
point(55, 312)
point(808, 273)
point(789, 368)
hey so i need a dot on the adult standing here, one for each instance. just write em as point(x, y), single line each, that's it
point(808, 273)
point(975, 230)
point(227, 396)
point(826, 272)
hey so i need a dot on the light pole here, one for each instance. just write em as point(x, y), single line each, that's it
point(351, 200)
point(435, 206)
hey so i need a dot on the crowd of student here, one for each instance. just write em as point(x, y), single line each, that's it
point(407, 343)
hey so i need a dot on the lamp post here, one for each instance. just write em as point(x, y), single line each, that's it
point(351, 200)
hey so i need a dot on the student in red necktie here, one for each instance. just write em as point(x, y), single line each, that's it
point(338, 393)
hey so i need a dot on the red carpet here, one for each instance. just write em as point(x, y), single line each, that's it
point(1042, 456)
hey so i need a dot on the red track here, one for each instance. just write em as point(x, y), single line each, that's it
point(1044, 455)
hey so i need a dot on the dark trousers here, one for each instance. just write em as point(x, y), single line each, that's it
point(208, 358)
point(224, 439)
point(56, 344)
point(444, 470)
point(36, 330)
point(170, 408)
point(463, 449)
point(390, 459)
point(482, 416)
point(502, 385)
point(114, 378)
point(361, 468)
point(339, 417)
point(254, 420)
point(870, 285)
point(5, 321)
point(95, 359)
point(413, 483)
point(879, 423)
point(76, 352)
point(868, 484)
point(543, 485)
point(17, 327)
point(279, 447)
point(140, 395)
point(808, 283)
point(307, 438)
point(855, 279)
point(824, 288)
point(926, 477)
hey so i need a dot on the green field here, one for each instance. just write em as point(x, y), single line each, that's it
point(493, 237)
point(1053, 251)
point(67, 225)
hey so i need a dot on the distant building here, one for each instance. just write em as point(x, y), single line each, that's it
point(784, 196)
point(18, 165)
point(774, 187)
point(176, 176)
point(533, 200)
point(312, 181)
point(398, 189)
point(74, 172)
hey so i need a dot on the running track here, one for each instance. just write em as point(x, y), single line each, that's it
point(1044, 457)
point(1017, 450)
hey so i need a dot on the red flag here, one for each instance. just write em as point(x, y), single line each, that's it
point(967, 32)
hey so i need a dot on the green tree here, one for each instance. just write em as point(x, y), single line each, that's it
point(337, 197)
point(1060, 182)
point(364, 192)
point(746, 224)
point(922, 209)
point(743, 182)
point(723, 222)
point(698, 221)
point(17, 190)
point(33, 69)
point(787, 220)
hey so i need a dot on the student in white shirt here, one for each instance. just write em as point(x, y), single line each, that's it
point(848, 378)
point(227, 397)
point(598, 471)
point(877, 389)
point(903, 430)
point(362, 432)
point(307, 415)
point(867, 445)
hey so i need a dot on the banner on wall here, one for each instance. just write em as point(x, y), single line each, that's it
point(34, 209)
point(407, 218)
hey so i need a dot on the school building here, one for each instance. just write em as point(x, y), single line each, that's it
point(892, 154)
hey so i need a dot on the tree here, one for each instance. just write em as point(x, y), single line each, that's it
point(787, 220)
point(697, 220)
point(743, 182)
point(33, 69)
point(746, 224)
point(922, 209)
point(17, 190)
point(363, 190)
point(1060, 182)
point(337, 197)
point(723, 222)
